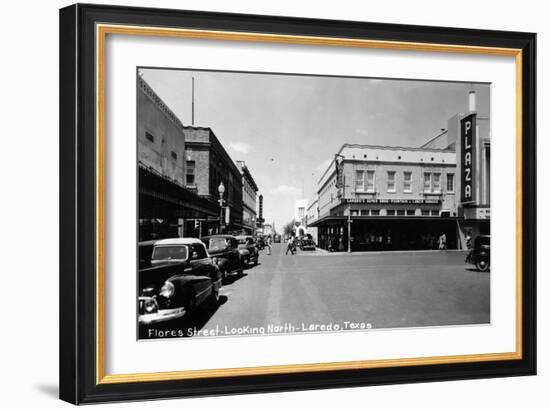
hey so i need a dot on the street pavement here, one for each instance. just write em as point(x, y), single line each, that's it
point(354, 291)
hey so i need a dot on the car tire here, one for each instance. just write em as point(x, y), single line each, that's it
point(482, 265)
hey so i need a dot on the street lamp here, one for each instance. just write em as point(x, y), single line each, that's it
point(221, 191)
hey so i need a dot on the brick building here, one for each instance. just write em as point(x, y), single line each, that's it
point(207, 165)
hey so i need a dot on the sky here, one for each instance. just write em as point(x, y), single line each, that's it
point(287, 128)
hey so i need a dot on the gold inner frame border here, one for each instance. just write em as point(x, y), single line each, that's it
point(102, 30)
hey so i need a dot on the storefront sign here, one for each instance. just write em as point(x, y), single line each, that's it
point(394, 201)
point(468, 158)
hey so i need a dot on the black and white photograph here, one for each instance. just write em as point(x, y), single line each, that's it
point(276, 203)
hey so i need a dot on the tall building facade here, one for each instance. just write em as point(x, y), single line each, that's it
point(300, 217)
point(250, 190)
point(208, 165)
point(166, 206)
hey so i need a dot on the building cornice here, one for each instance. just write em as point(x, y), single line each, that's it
point(160, 104)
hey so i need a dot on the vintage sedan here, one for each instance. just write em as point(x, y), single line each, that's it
point(248, 250)
point(182, 278)
point(224, 250)
point(307, 244)
point(480, 255)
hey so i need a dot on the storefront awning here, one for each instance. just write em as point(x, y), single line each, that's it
point(343, 219)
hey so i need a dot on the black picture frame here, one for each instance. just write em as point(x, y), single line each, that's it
point(78, 197)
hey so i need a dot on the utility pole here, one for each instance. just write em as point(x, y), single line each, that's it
point(349, 228)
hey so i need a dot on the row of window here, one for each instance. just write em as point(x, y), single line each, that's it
point(365, 182)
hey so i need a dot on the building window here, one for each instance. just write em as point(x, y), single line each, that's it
point(390, 212)
point(391, 181)
point(174, 155)
point(425, 212)
point(301, 212)
point(410, 212)
point(401, 212)
point(435, 212)
point(375, 212)
point(427, 182)
point(355, 212)
point(190, 172)
point(407, 182)
point(450, 182)
point(149, 137)
point(359, 181)
point(436, 185)
point(370, 181)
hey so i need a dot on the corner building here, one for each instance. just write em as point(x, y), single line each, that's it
point(393, 198)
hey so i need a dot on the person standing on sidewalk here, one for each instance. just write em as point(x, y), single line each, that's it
point(443, 242)
point(268, 245)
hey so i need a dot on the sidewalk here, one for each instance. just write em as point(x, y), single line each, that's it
point(321, 252)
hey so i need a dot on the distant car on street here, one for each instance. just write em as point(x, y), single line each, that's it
point(248, 249)
point(181, 278)
point(307, 244)
point(224, 250)
point(480, 255)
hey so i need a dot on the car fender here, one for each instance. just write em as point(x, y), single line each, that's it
point(244, 252)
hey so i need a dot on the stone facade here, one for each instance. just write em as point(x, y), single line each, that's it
point(376, 178)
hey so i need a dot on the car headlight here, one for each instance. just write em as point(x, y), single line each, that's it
point(167, 290)
point(150, 306)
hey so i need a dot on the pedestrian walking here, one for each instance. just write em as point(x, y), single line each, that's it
point(268, 245)
point(290, 245)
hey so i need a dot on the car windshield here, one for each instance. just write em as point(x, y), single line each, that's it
point(170, 253)
point(218, 243)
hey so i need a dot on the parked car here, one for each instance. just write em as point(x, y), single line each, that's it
point(248, 250)
point(224, 250)
point(307, 244)
point(145, 250)
point(182, 278)
point(260, 242)
point(480, 255)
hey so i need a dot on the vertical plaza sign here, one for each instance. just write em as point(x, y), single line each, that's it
point(468, 141)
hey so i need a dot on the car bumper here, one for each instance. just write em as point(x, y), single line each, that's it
point(161, 316)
